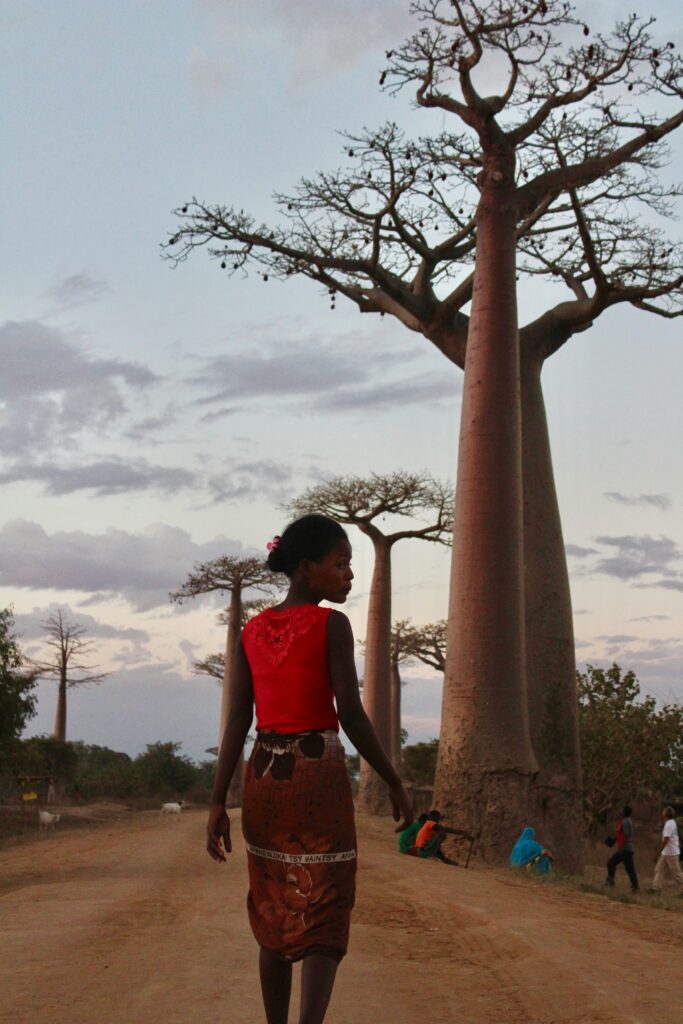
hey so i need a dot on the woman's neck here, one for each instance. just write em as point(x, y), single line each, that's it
point(299, 593)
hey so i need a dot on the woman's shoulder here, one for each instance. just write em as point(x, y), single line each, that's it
point(279, 627)
point(338, 627)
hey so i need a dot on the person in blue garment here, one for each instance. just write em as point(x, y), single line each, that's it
point(528, 853)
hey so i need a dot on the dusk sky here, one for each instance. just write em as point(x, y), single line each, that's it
point(152, 417)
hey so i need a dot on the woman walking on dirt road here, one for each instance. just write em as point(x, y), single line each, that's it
point(294, 662)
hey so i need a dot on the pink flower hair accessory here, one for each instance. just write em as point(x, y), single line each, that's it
point(273, 544)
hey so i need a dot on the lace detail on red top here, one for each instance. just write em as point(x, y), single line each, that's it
point(275, 634)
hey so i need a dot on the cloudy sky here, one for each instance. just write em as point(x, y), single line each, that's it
point(151, 418)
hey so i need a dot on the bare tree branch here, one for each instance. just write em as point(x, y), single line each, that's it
point(69, 648)
point(395, 230)
point(363, 500)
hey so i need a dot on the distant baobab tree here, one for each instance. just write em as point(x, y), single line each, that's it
point(551, 174)
point(232, 575)
point(214, 664)
point(427, 643)
point(67, 648)
point(363, 502)
point(399, 655)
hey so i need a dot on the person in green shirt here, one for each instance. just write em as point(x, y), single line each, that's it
point(406, 838)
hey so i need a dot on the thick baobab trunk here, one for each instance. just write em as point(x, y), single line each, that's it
point(234, 797)
point(550, 657)
point(486, 767)
point(372, 795)
point(60, 715)
point(395, 697)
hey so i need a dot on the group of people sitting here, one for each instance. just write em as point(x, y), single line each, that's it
point(425, 837)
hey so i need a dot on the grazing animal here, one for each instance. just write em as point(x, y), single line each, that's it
point(47, 820)
point(172, 808)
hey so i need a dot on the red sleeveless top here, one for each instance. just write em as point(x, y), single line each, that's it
point(287, 654)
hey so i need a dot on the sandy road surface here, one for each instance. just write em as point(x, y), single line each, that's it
point(131, 923)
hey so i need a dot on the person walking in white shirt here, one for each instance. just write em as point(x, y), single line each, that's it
point(668, 863)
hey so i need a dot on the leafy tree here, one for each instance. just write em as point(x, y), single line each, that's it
point(546, 177)
point(67, 648)
point(632, 749)
point(163, 770)
point(17, 685)
point(101, 771)
point(46, 755)
point(232, 575)
point(363, 502)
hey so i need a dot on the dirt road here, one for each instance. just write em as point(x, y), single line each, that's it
point(131, 923)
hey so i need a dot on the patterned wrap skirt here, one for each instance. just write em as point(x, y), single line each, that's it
point(297, 820)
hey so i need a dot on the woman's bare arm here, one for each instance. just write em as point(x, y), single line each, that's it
point(241, 704)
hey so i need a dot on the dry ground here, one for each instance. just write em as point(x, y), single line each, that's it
point(130, 922)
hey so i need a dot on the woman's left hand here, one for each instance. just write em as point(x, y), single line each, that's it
point(402, 806)
point(218, 827)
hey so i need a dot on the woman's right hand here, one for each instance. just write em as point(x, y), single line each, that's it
point(402, 806)
point(218, 827)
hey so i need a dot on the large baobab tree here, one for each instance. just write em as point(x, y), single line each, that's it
point(546, 168)
point(363, 502)
point(67, 647)
point(228, 574)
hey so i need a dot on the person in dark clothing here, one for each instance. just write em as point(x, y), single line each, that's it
point(625, 851)
point(431, 836)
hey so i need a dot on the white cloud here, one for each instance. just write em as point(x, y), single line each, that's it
point(141, 567)
point(76, 290)
point(576, 551)
point(320, 41)
point(30, 625)
point(244, 480)
point(656, 661)
point(327, 376)
point(51, 390)
point(208, 73)
point(104, 477)
point(660, 501)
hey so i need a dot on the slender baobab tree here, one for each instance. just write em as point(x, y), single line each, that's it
point(401, 633)
point(400, 655)
point(233, 575)
point(546, 168)
point(214, 664)
point(67, 648)
point(362, 502)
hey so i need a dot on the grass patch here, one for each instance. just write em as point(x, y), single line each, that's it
point(592, 881)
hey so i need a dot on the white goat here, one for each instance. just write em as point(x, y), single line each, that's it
point(47, 820)
point(172, 808)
